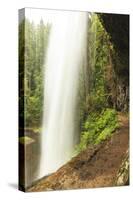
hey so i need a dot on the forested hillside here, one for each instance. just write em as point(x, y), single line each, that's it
point(33, 40)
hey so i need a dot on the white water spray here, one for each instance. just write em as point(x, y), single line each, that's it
point(65, 56)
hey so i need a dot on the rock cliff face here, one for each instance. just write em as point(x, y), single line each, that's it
point(117, 27)
point(123, 173)
point(118, 89)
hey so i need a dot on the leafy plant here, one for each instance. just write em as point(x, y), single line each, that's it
point(98, 127)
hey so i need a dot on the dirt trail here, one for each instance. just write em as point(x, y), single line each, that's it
point(94, 167)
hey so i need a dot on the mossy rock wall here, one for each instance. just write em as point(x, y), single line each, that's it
point(117, 26)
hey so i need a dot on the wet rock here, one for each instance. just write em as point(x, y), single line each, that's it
point(123, 173)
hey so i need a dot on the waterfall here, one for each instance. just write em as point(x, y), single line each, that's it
point(64, 59)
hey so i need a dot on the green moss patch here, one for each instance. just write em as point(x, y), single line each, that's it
point(25, 140)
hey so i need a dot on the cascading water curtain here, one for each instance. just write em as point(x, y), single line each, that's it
point(64, 59)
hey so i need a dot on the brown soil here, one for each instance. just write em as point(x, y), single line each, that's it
point(95, 167)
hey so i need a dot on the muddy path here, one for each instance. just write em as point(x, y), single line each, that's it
point(95, 167)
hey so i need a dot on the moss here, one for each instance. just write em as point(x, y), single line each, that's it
point(25, 140)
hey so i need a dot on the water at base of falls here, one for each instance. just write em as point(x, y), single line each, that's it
point(65, 56)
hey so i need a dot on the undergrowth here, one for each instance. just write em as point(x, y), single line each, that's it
point(97, 128)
